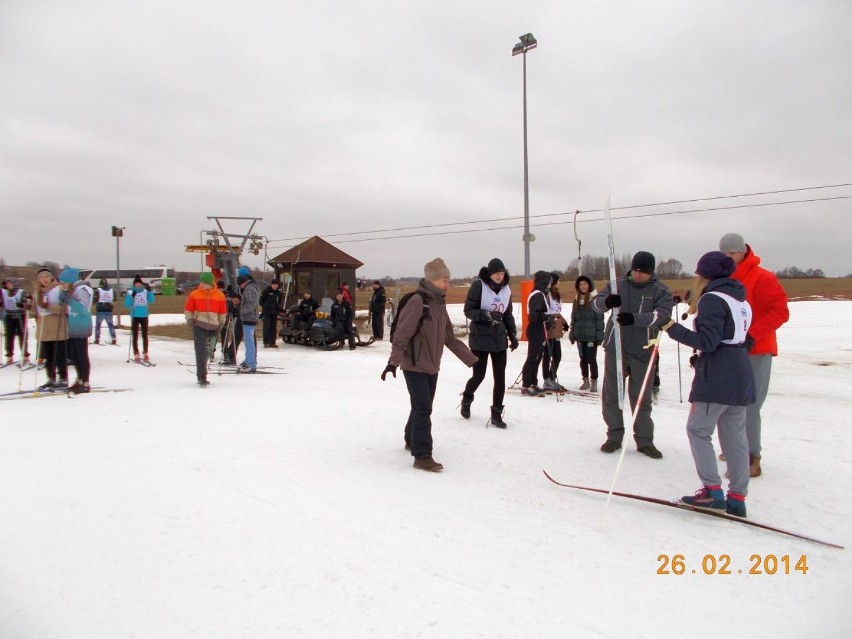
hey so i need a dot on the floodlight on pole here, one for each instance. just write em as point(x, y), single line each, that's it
point(526, 43)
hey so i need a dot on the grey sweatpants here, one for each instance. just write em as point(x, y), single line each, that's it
point(634, 372)
point(761, 366)
point(702, 421)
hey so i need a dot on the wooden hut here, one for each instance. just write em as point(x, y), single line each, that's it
point(316, 266)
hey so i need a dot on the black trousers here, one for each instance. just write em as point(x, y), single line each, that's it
point(55, 356)
point(588, 359)
point(498, 370)
point(535, 350)
point(550, 358)
point(270, 323)
point(418, 428)
point(136, 324)
point(78, 353)
point(232, 337)
point(378, 320)
point(14, 326)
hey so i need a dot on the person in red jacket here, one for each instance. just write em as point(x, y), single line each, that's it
point(769, 307)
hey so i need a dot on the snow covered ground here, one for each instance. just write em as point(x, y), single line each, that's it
point(285, 506)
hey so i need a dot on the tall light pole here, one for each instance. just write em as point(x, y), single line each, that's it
point(117, 233)
point(526, 43)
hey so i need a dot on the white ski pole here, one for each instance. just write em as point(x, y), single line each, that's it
point(654, 345)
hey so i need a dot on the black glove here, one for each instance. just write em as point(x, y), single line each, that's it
point(390, 368)
point(571, 337)
point(693, 360)
point(626, 319)
point(749, 343)
point(147, 287)
point(612, 301)
point(677, 299)
point(496, 317)
point(513, 342)
point(565, 326)
point(489, 318)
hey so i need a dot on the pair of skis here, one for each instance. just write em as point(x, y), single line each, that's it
point(681, 506)
point(57, 392)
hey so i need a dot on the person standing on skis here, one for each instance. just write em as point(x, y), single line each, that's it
point(723, 387)
point(643, 306)
point(538, 308)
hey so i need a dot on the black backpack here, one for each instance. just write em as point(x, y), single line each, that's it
point(402, 302)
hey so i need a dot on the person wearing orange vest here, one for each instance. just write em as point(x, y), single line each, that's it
point(769, 307)
point(205, 313)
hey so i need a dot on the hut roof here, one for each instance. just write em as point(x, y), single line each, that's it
point(315, 251)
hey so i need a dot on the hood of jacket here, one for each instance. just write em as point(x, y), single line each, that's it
point(487, 281)
point(541, 281)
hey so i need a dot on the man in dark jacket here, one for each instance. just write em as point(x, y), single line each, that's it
point(341, 318)
point(270, 306)
point(492, 328)
point(232, 332)
point(644, 305)
point(307, 311)
point(422, 331)
point(377, 310)
point(538, 307)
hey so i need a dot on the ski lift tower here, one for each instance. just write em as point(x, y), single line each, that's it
point(223, 250)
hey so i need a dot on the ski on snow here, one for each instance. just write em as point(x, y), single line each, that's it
point(58, 392)
point(229, 367)
point(681, 506)
point(237, 372)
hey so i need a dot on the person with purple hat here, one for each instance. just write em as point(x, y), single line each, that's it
point(723, 385)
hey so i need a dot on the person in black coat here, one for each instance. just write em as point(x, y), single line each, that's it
point(341, 318)
point(538, 308)
point(377, 310)
point(307, 311)
point(270, 306)
point(492, 329)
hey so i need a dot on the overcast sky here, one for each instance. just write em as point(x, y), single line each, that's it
point(330, 117)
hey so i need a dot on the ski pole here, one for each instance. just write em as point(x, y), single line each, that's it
point(654, 345)
point(24, 349)
point(679, 379)
point(40, 322)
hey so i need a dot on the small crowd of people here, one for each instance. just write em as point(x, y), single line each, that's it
point(737, 306)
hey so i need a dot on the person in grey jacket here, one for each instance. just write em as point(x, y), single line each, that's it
point(644, 305)
point(249, 316)
point(587, 331)
point(723, 386)
point(492, 329)
point(417, 344)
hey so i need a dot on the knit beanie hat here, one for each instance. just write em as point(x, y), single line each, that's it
point(732, 243)
point(244, 270)
point(436, 269)
point(137, 279)
point(583, 278)
point(643, 262)
point(714, 265)
point(494, 266)
point(69, 275)
point(206, 278)
point(242, 279)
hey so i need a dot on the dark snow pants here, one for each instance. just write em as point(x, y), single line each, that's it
point(418, 429)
